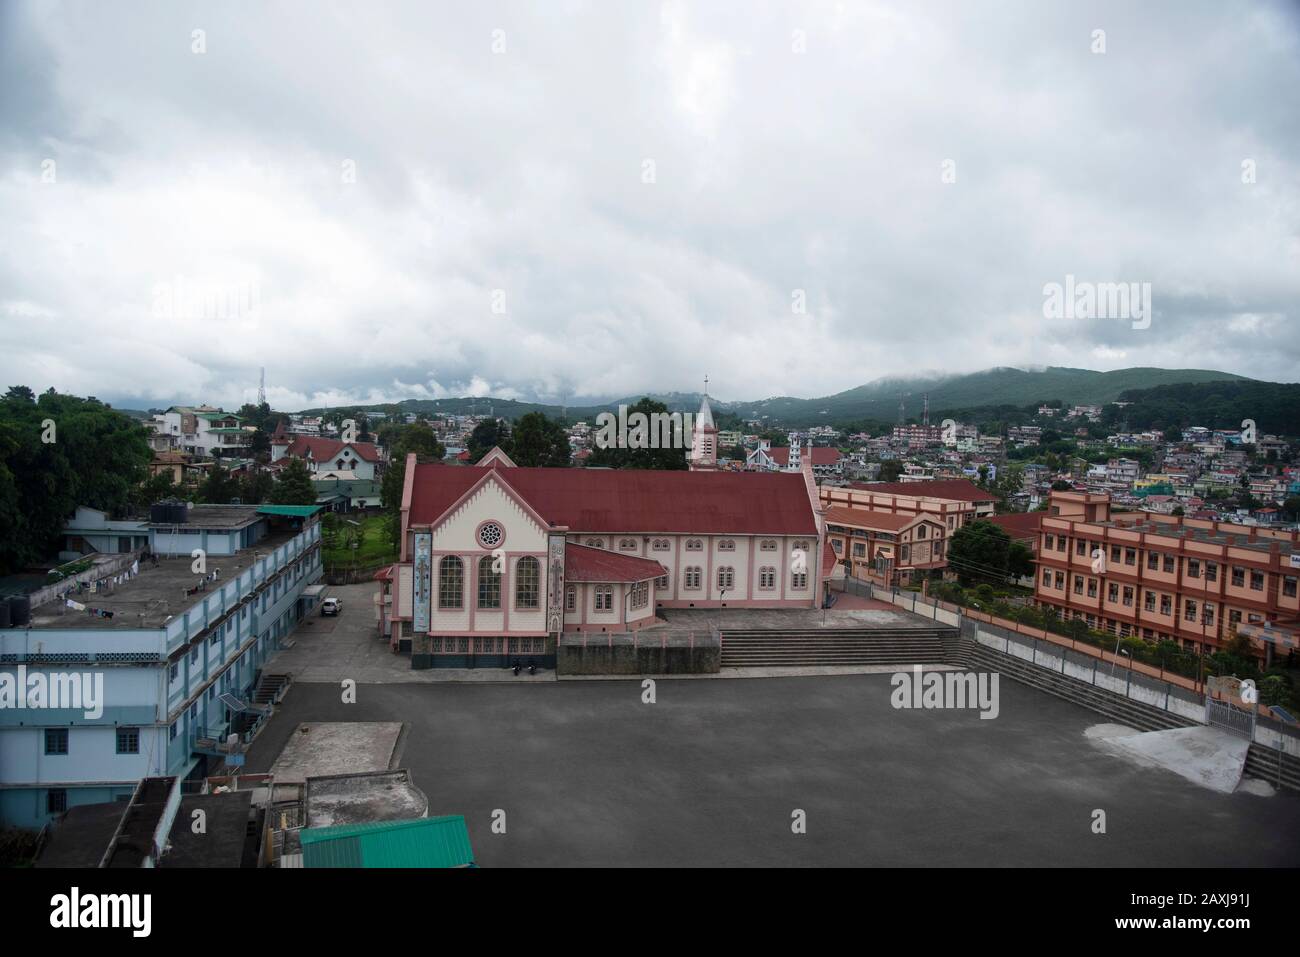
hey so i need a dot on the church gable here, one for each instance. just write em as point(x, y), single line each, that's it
point(466, 526)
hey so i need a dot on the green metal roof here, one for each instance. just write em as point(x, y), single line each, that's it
point(294, 511)
point(218, 415)
point(421, 842)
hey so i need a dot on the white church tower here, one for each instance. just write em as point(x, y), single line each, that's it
point(795, 462)
point(704, 437)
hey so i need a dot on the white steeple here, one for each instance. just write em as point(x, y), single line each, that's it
point(704, 437)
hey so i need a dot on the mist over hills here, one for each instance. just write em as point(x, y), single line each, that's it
point(877, 400)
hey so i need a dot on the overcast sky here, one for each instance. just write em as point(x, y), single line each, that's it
point(383, 200)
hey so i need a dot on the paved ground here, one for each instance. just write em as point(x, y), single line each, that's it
point(711, 773)
point(348, 646)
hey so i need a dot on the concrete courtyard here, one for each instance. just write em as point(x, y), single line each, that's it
point(713, 771)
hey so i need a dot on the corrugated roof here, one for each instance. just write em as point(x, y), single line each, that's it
point(1021, 526)
point(870, 518)
point(295, 511)
point(585, 564)
point(956, 489)
point(323, 449)
point(635, 500)
point(421, 842)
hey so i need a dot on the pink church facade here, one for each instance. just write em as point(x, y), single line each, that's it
point(498, 561)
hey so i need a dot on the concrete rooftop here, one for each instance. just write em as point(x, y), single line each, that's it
point(157, 593)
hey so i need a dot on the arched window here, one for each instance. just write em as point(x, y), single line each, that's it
point(726, 578)
point(570, 598)
point(489, 583)
point(528, 582)
point(595, 543)
point(694, 544)
point(727, 545)
point(767, 577)
point(627, 544)
point(451, 582)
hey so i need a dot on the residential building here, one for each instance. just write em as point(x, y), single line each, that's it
point(174, 647)
point(205, 430)
point(321, 455)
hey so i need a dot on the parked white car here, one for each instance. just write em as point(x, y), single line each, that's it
point(330, 606)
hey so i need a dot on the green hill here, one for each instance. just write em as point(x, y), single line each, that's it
point(877, 400)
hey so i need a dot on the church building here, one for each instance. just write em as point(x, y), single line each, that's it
point(498, 561)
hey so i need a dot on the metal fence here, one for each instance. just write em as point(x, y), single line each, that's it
point(1098, 670)
point(1226, 715)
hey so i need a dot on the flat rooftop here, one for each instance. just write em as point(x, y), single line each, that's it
point(363, 798)
point(214, 516)
point(1218, 536)
point(157, 593)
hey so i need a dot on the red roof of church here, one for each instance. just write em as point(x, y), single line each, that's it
point(322, 449)
point(821, 455)
point(635, 500)
point(957, 489)
point(585, 564)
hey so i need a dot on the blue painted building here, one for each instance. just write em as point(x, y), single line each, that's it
point(174, 644)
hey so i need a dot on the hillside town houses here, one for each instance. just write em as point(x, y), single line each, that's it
point(495, 562)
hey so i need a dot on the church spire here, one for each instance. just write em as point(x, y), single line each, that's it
point(704, 438)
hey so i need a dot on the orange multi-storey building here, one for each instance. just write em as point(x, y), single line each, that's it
point(1165, 577)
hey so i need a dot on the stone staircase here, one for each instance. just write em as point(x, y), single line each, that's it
point(816, 647)
point(1278, 769)
point(1144, 717)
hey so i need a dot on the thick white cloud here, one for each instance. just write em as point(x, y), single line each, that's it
point(599, 198)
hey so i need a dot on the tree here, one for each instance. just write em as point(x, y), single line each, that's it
point(1020, 560)
point(219, 487)
point(890, 470)
point(616, 455)
point(488, 434)
point(294, 486)
point(980, 551)
point(418, 438)
point(57, 452)
point(1291, 508)
point(154, 489)
point(256, 487)
point(1009, 482)
point(539, 441)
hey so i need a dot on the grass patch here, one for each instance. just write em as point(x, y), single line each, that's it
point(371, 536)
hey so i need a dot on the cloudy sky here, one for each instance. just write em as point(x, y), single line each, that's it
point(561, 200)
